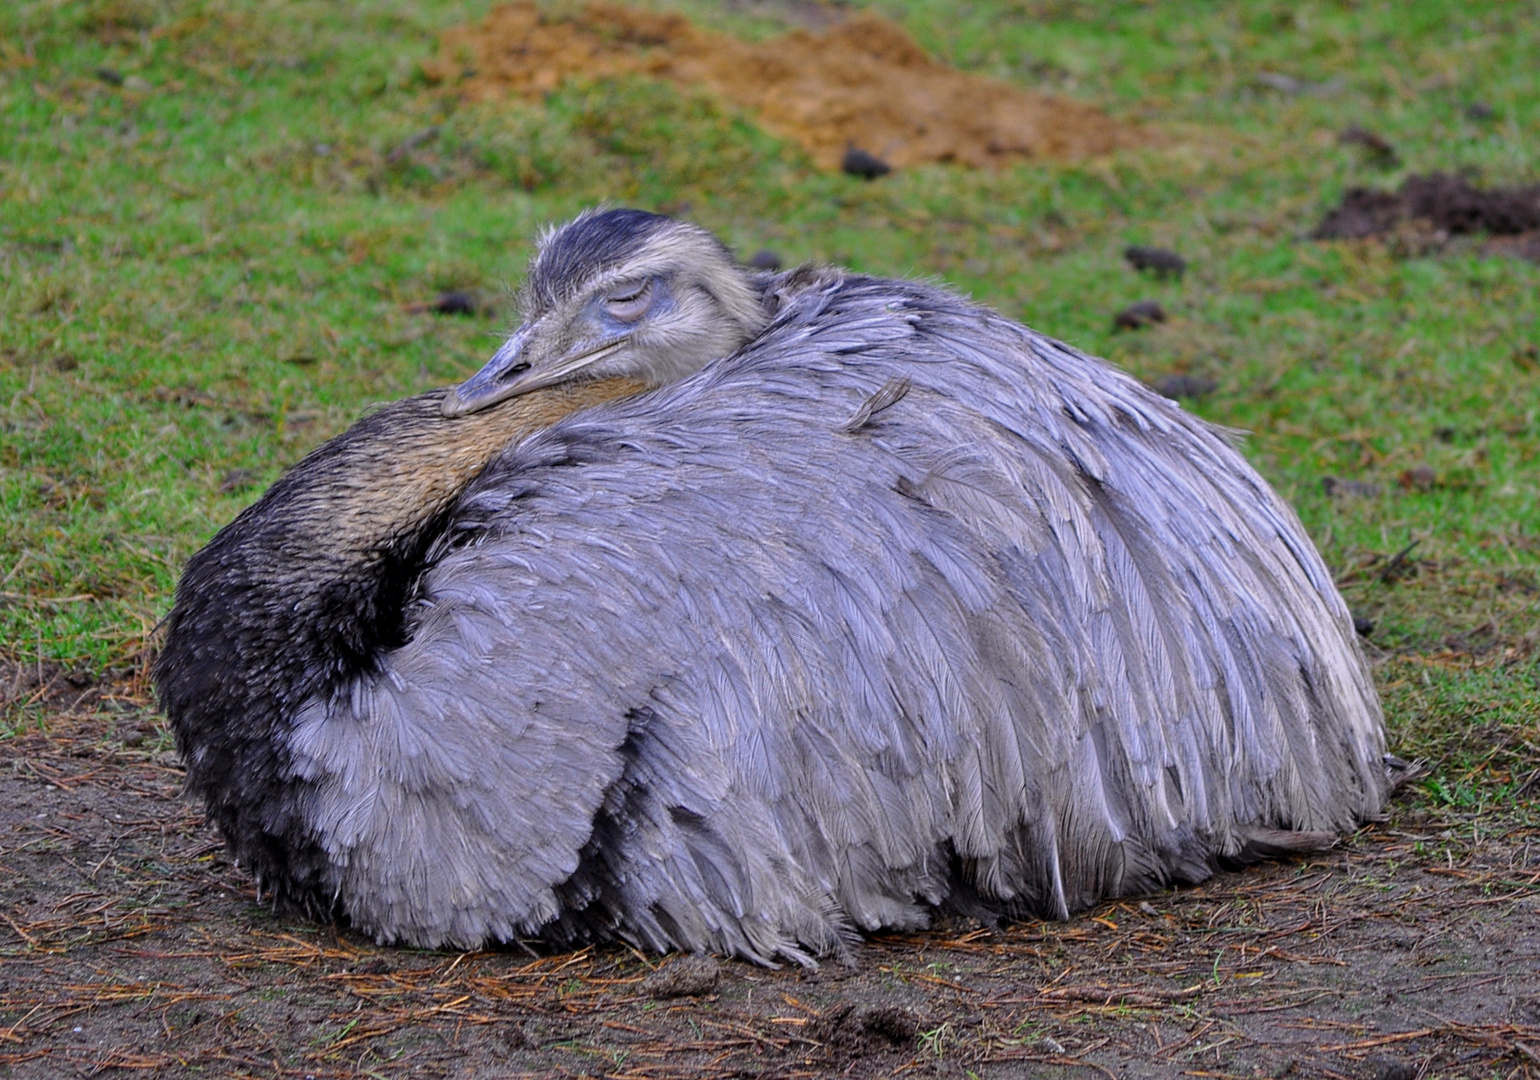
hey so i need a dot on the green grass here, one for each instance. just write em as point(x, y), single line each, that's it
point(205, 271)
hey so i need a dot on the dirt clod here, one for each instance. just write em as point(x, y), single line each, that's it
point(456, 302)
point(1362, 213)
point(1184, 386)
point(1138, 315)
point(688, 976)
point(858, 162)
point(1453, 203)
point(1449, 203)
point(1164, 262)
point(863, 82)
point(850, 1030)
point(1385, 1068)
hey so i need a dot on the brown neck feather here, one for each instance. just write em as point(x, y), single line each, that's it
point(397, 475)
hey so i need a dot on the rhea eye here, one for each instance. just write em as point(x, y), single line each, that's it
point(629, 303)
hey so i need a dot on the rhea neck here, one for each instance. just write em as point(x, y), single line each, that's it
point(403, 466)
point(331, 550)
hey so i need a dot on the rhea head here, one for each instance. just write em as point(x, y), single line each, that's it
point(619, 293)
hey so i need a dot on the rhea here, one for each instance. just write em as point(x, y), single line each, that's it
point(744, 612)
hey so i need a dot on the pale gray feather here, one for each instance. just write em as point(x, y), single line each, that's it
point(720, 668)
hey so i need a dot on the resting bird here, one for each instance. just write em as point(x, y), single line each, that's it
point(736, 611)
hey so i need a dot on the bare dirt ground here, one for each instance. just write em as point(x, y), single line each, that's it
point(861, 82)
point(1424, 215)
point(129, 945)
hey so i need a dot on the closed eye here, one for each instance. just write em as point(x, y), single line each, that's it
point(629, 302)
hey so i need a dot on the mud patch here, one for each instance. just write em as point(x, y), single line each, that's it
point(1438, 205)
point(861, 83)
point(129, 946)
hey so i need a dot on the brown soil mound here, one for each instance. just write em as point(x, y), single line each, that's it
point(1450, 203)
point(863, 83)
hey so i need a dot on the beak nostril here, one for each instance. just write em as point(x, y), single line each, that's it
point(516, 369)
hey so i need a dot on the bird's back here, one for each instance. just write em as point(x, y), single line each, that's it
point(782, 651)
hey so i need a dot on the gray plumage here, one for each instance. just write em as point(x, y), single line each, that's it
point(900, 604)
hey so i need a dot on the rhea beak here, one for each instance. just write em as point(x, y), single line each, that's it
point(515, 369)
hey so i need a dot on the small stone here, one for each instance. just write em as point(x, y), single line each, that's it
point(765, 259)
point(688, 976)
point(1147, 907)
point(858, 162)
point(1362, 627)
point(137, 84)
point(110, 76)
point(1137, 316)
point(1480, 111)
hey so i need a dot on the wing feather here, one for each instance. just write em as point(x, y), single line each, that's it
point(713, 669)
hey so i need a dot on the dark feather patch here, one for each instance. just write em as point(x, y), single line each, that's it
point(589, 245)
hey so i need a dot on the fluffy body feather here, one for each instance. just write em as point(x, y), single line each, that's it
point(901, 603)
